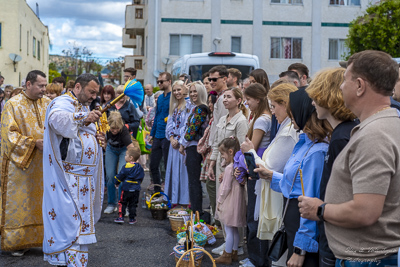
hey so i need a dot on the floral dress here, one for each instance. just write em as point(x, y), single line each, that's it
point(176, 177)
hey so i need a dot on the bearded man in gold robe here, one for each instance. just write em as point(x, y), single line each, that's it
point(22, 127)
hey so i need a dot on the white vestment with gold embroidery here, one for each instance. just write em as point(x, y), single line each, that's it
point(73, 187)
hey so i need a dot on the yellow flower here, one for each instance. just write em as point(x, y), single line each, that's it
point(165, 119)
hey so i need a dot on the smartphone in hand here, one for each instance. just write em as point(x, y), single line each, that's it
point(251, 165)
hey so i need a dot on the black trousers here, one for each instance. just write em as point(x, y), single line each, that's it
point(193, 164)
point(159, 151)
point(292, 224)
point(256, 248)
point(129, 199)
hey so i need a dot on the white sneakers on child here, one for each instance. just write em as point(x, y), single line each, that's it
point(240, 251)
point(219, 250)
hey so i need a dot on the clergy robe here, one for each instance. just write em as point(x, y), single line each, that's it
point(73, 183)
point(22, 123)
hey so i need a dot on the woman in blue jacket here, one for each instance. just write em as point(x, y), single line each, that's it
point(307, 161)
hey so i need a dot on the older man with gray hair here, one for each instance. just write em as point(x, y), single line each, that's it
point(362, 204)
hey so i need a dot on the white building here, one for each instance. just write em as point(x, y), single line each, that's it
point(279, 32)
point(23, 34)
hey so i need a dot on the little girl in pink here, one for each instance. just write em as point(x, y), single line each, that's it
point(231, 203)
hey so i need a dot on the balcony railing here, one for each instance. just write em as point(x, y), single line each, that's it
point(128, 41)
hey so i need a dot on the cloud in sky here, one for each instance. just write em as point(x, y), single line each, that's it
point(94, 24)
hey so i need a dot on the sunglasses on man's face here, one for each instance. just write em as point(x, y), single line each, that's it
point(161, 81)
point(214, 79)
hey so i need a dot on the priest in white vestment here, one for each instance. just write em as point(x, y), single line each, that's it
point(73, 183)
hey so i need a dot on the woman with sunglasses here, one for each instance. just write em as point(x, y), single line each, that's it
point(196, 124)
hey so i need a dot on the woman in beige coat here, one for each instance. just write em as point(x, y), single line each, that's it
point(233, 124)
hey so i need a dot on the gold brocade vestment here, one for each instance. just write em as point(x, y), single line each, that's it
point(21, 222)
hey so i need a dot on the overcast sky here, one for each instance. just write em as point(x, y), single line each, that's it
point(94, 24)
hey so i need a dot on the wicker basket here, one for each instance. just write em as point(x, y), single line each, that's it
point(149, 193)
point(185, 261)
point(176, 220)
point(198, 256)
point(176, 223)
point(159, 214)
point(199, 238)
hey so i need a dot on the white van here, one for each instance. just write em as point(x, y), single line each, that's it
point(197, 64)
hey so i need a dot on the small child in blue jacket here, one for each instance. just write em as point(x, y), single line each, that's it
point(131, 176)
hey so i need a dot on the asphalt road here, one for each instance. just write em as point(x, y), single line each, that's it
point(147, 243)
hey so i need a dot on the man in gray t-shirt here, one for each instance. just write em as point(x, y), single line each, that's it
point(362, 203)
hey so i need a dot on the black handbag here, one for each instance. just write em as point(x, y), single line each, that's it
point(279, 242)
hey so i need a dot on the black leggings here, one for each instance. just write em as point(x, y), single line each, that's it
point(193, 165)
point(292, 224)
point(256, 248)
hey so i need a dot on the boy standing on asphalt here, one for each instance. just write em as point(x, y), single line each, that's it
point(131, 176)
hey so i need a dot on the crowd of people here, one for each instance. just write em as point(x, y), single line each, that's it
point(326, 154)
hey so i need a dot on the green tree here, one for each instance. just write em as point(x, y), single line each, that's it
point(53, 74)
point(115, 66)
point(52, 66)
point(377, 29)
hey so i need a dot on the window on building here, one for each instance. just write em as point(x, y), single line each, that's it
point(34, 47)
point(236, 44)
point(38, 49)
point(337, 49)
point(293, 2)
point(344, 2)
point(138, 64)
point(287, 48)
point(182, 44)
point(139, 13)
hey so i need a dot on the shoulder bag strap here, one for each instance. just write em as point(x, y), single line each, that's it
point(294, 179)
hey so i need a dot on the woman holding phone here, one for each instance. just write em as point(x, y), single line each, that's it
point(268, 208)
point(259, 134)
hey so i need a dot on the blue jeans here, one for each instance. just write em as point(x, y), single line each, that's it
point(115, 158)
point(385, 262)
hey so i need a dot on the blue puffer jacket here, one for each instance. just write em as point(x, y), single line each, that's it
point(131, 176)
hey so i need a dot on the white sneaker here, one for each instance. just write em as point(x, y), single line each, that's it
point(109, 209)
point(247, 264)
point(219, 250)
point(19, 253)
point(240, 251)
point(244, 261)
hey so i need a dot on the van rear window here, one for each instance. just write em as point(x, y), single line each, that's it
point(196, 71)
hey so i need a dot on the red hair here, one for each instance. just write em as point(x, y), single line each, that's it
point(107, 89)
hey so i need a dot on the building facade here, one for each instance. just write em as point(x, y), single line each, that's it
point(279, 32)
point(23, 34)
